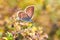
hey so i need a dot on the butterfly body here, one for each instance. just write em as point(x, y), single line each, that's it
point(27, 19)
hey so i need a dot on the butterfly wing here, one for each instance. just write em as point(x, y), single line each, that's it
point(29, 11)
point(23, 16)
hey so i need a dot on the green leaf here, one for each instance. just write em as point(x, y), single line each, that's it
point(9, 36)
point(19, 37)
point(0, 35)
point(58, 32)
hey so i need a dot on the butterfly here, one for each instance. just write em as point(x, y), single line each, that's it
point(26, 15)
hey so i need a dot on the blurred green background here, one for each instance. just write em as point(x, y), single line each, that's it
point(46, 18)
